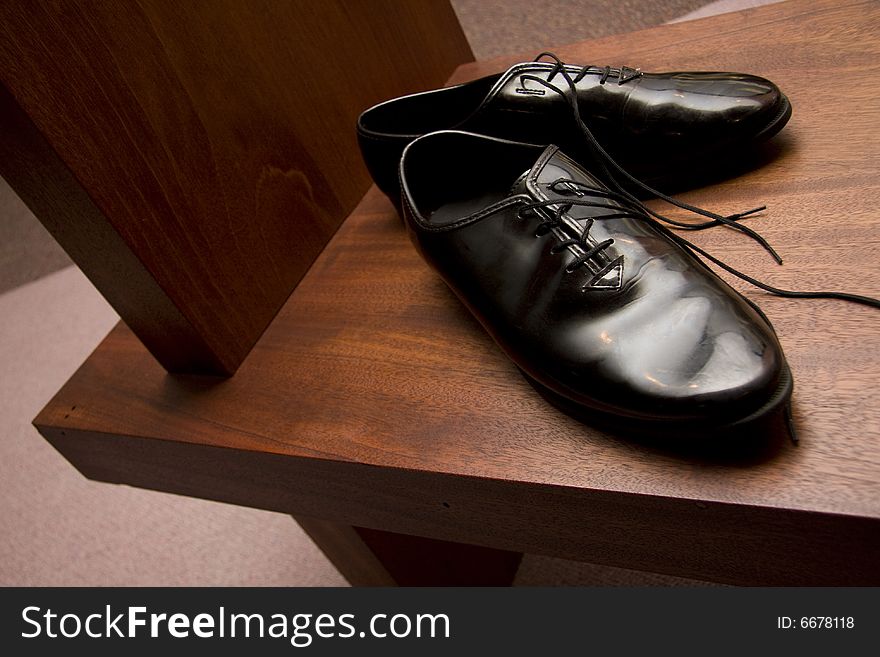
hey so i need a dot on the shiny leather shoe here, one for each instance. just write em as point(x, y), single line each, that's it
point(653, 124)
point(608, 313)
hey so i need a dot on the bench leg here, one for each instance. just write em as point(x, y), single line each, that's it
point(370, 557)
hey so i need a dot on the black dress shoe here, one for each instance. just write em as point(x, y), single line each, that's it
point(653, 124)
point(608, 313)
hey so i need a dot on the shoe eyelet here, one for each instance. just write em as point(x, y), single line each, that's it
point(570, 270)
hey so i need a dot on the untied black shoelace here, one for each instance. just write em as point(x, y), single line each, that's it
point(634, 207)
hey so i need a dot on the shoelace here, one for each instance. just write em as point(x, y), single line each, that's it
point(639, 210)
point(559, 209)
point(605, 159)
point(624, 73)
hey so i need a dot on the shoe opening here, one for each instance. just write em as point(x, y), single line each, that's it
point(426, 112)
point(448, 176)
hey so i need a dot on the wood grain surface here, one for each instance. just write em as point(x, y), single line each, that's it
point(375, 400)
point(194, 158)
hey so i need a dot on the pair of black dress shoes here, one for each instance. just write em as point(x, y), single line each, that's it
point(536, 226)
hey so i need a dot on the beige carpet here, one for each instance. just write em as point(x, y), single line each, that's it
point(501, 27)
point(27, 251)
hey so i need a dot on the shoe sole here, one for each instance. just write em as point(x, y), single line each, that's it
point(779, 400)
point(779, 122)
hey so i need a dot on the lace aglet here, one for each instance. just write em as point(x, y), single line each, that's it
point(763, 242)
point(754, 235)
point(740, 215)
point(789, 423)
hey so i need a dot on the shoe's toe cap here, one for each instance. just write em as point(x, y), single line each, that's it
point(709, 106)
point(693, 360)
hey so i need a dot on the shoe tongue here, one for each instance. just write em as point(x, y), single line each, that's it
point(550, 167)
